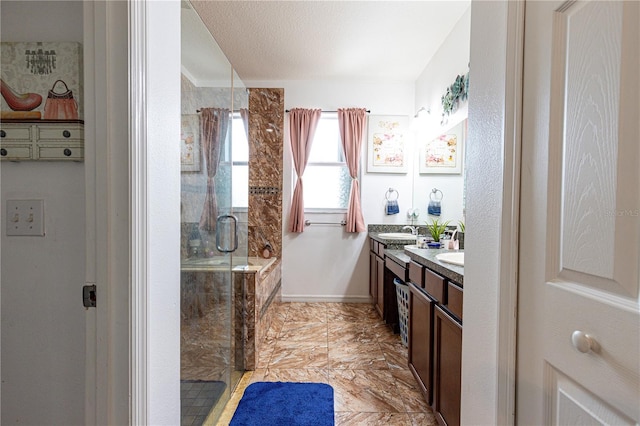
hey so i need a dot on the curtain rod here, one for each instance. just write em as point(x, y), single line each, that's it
point(367, 111)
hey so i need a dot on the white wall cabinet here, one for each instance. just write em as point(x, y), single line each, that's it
point(42, 140)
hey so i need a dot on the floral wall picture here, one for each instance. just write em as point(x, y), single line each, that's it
point(387, 144)
point(190, 143)
point(443, 154)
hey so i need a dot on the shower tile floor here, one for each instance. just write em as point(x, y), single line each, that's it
point(347, 346)
point(196, 400)
point(205, 347)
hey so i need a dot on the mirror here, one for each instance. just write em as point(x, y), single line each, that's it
point(433, 136)
point(445, 76)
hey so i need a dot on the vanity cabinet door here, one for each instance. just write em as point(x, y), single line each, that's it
point(420, 339)
point(447, 352)
point(380, 286)
point(373, 277)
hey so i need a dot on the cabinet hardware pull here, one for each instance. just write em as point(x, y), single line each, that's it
point(3, 152)
point(66, 134)
point(67, 152)
point(3, 134)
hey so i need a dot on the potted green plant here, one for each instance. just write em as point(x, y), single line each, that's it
point(436, 229)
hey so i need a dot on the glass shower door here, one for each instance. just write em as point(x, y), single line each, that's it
point(211, 233)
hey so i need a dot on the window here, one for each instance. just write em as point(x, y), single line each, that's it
point(240, 164)
point(326, 178)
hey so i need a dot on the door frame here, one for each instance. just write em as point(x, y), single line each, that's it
point(133, 211)
point(498, 25)
point(154, 169)
point(107, 349)
point(509, 255)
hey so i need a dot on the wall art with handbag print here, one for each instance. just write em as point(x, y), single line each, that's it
point(41, 80)
point(41, 113)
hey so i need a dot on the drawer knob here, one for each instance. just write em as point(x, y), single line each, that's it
point(3, 134)
point(67, 152)
point(3, 152)
point(66, 134)
point(583, 342)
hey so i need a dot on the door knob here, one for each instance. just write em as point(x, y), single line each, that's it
point(583, 342)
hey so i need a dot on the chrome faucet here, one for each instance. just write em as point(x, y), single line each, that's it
point(414, 229)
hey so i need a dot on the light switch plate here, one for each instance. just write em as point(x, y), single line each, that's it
point(25, 217)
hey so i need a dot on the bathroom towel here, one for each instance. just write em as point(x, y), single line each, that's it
point(392, 207)
point(434, 208)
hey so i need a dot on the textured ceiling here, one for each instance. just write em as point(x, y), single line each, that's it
point(302, 40)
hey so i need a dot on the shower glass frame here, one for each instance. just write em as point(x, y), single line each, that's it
point(210, 350)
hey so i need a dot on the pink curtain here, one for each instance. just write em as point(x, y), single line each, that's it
point(214, 123)
point(352, 122)
point(302, 126)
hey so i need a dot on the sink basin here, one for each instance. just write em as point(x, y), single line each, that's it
point(456, 258)
point(397, 235)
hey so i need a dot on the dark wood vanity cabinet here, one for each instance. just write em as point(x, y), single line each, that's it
point(373, 278)
point(380, 299)
point(420, 339)
point(447, 354)
point(435, 340)
point(376, 275)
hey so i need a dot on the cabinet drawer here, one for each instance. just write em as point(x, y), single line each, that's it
point(15, 152)
point(416, 274)
point(399, 270)
point(454, 300)
point(61, 132)
point(15, 133)
point(434, 285)
point(380, 250)
point(60, 152)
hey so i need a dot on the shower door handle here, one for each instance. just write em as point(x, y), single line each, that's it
point(225, 219)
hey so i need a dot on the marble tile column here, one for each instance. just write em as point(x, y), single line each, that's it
point(266, 142)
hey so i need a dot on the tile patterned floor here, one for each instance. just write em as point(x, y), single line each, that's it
point(347, 346)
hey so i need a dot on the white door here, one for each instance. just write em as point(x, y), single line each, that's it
point(578, 317)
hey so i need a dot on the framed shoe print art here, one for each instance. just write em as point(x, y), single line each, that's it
point(41, 107)
point(35, 74)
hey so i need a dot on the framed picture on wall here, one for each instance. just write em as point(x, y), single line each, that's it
point(41, 81)
point(190, 143)
point(387, 145)
point(443, 154)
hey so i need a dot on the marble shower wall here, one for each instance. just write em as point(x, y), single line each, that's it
point(266, 142)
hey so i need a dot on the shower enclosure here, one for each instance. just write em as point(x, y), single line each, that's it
point(214, 194)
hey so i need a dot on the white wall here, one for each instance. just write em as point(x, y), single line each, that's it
point(43, 321)
point(451, 60)
point(162, 169)
point(490, 237)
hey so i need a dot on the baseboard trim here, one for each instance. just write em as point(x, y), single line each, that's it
point(323, 298)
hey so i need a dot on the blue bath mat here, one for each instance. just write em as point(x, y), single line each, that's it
point(283, 403)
